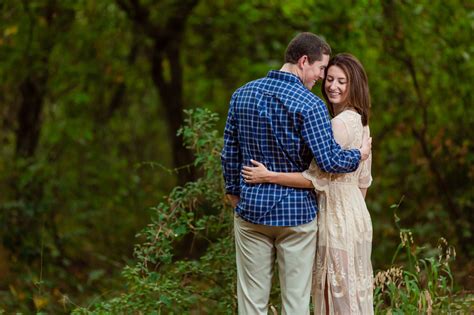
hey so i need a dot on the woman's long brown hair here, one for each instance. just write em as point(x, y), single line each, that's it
point(358, 85)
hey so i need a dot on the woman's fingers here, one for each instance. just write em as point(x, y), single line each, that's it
point(256, 163)
point(251, 173)
point(248, 179)
point(247, 173)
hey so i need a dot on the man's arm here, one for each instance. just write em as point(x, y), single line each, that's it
point(231, 157)
point(329, 156)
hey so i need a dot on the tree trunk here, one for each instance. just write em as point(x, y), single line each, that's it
point(171, 93)
point(167, 36)
point(29, 115)
point(25, 220)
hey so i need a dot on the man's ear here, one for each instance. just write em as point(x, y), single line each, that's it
point(301, 62)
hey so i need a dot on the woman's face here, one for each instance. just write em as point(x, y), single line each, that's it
point(336, 86)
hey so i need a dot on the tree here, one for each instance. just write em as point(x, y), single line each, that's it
point(166, 31)
point(43, 32)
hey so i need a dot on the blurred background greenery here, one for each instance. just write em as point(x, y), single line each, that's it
point(92, 95)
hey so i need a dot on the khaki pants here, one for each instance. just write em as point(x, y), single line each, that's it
point(256, 248)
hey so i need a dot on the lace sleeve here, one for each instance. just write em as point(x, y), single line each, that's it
point(319, 178)
point(365, 176)
point(341, 133)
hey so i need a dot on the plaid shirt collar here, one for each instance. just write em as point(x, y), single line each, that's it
point(284, 76)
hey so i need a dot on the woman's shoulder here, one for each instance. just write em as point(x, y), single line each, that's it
point(351, 122)
point(349, 113)
point(348, 116)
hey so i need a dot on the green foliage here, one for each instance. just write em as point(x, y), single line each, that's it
point(420, 285)
point(159, 281)
point(420, 282)
point(69, 212)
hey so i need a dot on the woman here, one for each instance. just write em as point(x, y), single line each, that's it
point(343, 276)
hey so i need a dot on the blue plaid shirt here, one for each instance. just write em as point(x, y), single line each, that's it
point(277, 121)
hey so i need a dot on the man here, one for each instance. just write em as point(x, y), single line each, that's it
point(278, 121)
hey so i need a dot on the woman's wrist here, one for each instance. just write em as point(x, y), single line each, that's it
point(272, 177)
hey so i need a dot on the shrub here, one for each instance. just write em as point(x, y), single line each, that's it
point(159, 282)
point(418, 285)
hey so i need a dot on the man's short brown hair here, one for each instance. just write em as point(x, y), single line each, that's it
point(308, 44)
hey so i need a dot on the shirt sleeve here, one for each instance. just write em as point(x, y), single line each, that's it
point(231, 158)
point(318, 135)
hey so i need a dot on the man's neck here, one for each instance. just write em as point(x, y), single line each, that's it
point(291, 68)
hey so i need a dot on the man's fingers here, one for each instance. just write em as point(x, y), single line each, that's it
point(368, 142)
point(365, 134)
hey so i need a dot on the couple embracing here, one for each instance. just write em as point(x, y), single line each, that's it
point(298, 180)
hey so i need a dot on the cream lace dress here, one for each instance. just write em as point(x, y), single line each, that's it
point(345, 229)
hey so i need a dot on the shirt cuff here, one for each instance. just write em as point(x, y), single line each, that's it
point(359, 155)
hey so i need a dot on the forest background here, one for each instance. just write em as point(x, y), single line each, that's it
point(93, 93)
